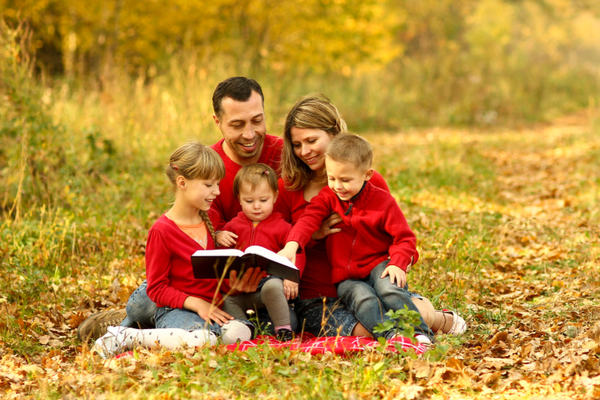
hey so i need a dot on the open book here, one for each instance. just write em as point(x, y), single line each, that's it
point(211, 264)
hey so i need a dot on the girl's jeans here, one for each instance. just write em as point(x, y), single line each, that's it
point(140, 309)
point(142, 312)
point(370, 298)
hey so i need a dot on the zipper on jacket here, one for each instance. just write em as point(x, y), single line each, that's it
point(351, 251)
point(353, 239)
point(349, 209)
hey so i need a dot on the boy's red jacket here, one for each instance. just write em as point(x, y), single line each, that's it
point(374, 230)
point(270, 233)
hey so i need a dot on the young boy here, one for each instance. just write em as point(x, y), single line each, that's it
point(375, 241)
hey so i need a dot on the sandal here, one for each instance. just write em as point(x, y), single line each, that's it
point(459, 325)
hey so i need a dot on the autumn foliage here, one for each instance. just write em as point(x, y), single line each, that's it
point(506, 217)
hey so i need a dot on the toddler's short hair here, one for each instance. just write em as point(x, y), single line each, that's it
point(351, 148)
point(254, 174)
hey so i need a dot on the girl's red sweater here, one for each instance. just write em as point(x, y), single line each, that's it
point(374, 230)
point(316, 279)
point(226, 206)
point(169, 267)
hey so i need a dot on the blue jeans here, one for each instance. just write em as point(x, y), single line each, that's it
point(325, 316)
point(370, 298)
point(142, 313)
point(167, 317)
point(140, 309)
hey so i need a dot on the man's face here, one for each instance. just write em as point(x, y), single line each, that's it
point(345, 179)
point(243, 126)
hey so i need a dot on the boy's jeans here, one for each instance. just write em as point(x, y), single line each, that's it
point(372, 293)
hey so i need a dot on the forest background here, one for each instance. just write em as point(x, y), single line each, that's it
point(483, 116)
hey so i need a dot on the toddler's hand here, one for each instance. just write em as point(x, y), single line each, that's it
point(226, 238)
point(290, 289)
point(396, 274)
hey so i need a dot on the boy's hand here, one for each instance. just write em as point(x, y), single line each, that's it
point(289, 251)
point(396, 274)
point(207, 311)
point(327, 227)
point(226, 238)
point(290, 289)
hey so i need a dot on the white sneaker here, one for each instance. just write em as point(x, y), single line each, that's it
point(459, 325)
point(424, 340)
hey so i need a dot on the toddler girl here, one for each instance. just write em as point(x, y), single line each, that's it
point(255, 186)
point(187, 310)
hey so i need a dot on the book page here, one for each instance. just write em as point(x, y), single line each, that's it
point(219, 253)
point(268, 254)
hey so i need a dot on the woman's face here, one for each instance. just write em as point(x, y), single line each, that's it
point(310, 145)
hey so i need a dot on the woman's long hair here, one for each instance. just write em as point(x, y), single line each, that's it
point(313, 111)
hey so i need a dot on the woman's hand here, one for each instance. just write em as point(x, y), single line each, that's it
point(290, 289)
point(327, 227)
point(248, 282)
point(396, 274)
point(207, 311)
point(226, 238)
point(289, 251)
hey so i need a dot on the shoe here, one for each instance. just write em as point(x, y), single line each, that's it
point(424, 340)
point(459, 325)
point(95, 326)
point(284, 335)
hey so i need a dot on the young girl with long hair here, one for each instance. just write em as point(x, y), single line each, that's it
point(188, 310)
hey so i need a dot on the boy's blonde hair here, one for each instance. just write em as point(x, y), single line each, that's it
point(351, 148)
point(254, 174)
point(193, 160)
point(313, 111)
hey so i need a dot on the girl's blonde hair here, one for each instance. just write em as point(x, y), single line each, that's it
point(313, 111)
point(193, 160)
point(254, 174)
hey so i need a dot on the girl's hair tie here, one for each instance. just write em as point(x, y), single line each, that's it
point(266, 172)
point(174, 167)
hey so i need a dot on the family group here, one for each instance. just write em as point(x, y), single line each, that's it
point(311, 196)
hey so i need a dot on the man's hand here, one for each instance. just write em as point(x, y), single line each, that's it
point(289, 251)
point(327, 227)
point(396, 274)
point(248, 282)
point(290, 289)
point(226, 238)
point(207, 311)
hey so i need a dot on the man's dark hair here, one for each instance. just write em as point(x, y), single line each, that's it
point(238, 88)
